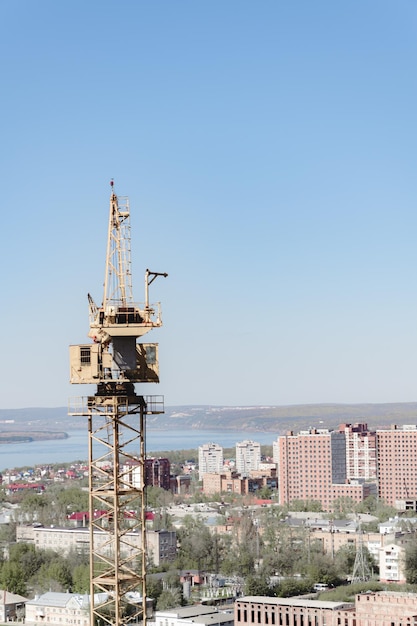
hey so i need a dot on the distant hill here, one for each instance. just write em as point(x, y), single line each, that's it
point(277, 419)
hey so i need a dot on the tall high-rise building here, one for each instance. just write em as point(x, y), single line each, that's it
point(312, 466)
point(397, 464)
point(248, 457)
point(210, 459)
point(158, 473)
point(360, 452)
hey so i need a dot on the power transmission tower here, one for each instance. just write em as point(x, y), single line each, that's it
point(361, 569)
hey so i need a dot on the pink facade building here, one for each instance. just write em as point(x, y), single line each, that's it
point(313, 465)
point(397, 464)
point(369, 609)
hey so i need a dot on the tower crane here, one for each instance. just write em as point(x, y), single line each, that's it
point(115, 360)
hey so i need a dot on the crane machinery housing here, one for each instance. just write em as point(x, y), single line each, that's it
point(115, 360)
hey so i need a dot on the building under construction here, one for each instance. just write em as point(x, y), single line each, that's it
point(115, 360)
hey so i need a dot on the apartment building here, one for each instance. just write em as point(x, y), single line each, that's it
point(397, 464)
point(324, 465)
point(312, 466)
point(157, 473)
point(360, 452)
point(231, 482)
point(210, 459)
point(248, 457)
point(161, 544)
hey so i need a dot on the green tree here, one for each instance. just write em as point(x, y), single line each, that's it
point(321, 569)
point(313, 506)
point(342, 506)
point(54, 576)
point(196, 545)
point(26, 555)
point(157, 498)
point(154, 588)
point(81, 579)
point(34, 507)
point(257, 585)
point(411, 563)
point(292, 587)
point(345, 559)
point(72, 499)
point(169, 600)
point(12, 578)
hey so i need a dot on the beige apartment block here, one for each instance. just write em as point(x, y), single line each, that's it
point(161, 544)
point(248, 457)
point(230, 482)
point(210, 459)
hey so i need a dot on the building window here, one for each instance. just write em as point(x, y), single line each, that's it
point(85, 356)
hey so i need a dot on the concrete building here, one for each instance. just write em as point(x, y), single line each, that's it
point(397, 464)
point(313, 466)
point(360, 452)
point(231, 482)
point(161, 544)
point(199, 615)
point(62, 609)
point(210, 459)
point(157, 473)
point(265, 611)
point(369, 609)
point(248, 457)
point(391, 564)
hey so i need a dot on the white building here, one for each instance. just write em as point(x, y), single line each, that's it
point(210, 459)
point(197, 615)
point(391, 564)
point(63, 609)
point(248, 457)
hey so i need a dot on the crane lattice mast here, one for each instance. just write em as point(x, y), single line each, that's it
point(115, 361)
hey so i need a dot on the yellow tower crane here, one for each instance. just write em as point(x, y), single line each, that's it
point(114, 361)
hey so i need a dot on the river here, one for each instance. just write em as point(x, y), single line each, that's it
point(75, 447)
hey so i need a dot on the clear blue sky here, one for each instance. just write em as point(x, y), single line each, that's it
point(268, 149)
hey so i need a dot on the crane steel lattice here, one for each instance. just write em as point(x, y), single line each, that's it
point(115, 361)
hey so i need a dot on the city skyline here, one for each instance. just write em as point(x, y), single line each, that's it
point(268, 151)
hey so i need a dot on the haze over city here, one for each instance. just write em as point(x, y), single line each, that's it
point(269, 154)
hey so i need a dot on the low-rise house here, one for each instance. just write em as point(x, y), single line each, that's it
point(62, 609)
point(369, 609)
point(12, 606)
point(197, 615)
